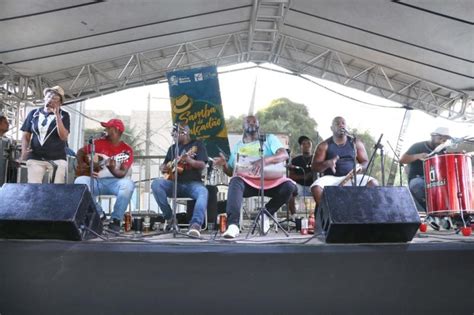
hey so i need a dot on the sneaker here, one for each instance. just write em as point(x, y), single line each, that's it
point(232, 231)
point(103, 217)
point(114, 225)
point(266, 224)
point(194, 230)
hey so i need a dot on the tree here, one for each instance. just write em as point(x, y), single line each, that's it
point(376, 166)
point(283, 116)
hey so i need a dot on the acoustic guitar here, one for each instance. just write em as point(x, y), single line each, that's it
point(100, 161)
point(178, 163)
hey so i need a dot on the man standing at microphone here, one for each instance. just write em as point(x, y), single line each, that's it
point(45, 133)
point(335, 158)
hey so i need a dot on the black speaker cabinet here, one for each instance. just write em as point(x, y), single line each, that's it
point(48, 211)
point(367, 215)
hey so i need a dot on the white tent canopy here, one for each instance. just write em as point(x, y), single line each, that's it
point(416, 52)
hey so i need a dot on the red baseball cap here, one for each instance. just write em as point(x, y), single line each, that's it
point(116, 123)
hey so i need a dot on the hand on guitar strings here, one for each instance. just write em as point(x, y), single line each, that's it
point(220, 160)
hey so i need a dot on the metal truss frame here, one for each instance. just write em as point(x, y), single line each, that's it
point(263, 43)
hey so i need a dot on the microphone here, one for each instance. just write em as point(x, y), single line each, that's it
point(98, 135)
point(344, 131)
point(458, 140)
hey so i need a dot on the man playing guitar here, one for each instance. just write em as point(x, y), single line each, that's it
point(335, 158)
point(111, 180)
point(191, 160)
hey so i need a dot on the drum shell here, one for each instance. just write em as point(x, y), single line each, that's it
point(449, 184)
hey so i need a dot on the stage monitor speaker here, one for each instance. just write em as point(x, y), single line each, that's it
point(48, 211)
point(367, 215)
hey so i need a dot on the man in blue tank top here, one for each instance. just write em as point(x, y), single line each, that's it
point(335, 158)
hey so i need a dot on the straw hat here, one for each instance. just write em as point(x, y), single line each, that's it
point(56, 89)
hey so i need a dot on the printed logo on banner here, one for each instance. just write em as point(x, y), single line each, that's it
point(198, 76)
point(204, 120)
point(174, 80)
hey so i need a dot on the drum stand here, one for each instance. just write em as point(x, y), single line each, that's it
point(459, 194)
point(259, 220)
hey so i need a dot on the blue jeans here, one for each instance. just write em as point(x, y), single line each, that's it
point(163, 189)
point(122, 188)
point(417, 189)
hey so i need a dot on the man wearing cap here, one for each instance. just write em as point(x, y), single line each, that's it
point(300, 170)
point(191, 159)
point(45, 132)
point(245, 181)
point(111, 179)
point(415, 156)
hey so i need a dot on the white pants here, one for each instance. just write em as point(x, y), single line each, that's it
point(37, 169)
point(329, 180)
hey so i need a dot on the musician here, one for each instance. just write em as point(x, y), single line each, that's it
point(4, 126)
point(241, 185)
point(191, 159)
point(335, 158)
point(112, 179)
point(415, 156)
point(300, 170)
point(45, 132)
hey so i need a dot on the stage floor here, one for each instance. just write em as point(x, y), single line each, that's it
point(272, 274)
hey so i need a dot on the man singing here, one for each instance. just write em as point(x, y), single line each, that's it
point(335, 157)
point(247, 184)
point(110, 179)
point(190, 160)
point(45, 132)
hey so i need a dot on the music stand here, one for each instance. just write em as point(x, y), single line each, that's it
point(262, 210)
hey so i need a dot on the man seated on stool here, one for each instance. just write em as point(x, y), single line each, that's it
point(300, 171)
point(335, 158)
point(111, 179)
point(192, 158)
point(279, 189)
point(415, 156)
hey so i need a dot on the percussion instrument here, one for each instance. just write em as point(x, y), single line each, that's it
point(244, 167)
point(449, 184)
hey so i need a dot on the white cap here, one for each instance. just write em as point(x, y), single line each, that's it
point(441, 131)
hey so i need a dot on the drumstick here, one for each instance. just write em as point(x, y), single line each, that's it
point(440, 147)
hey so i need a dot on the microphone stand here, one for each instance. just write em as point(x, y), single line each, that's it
point(174, 224)
point(263, 211)
point(354, 169)
point(400, 165)
point(377, 146)
point(91, 170)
